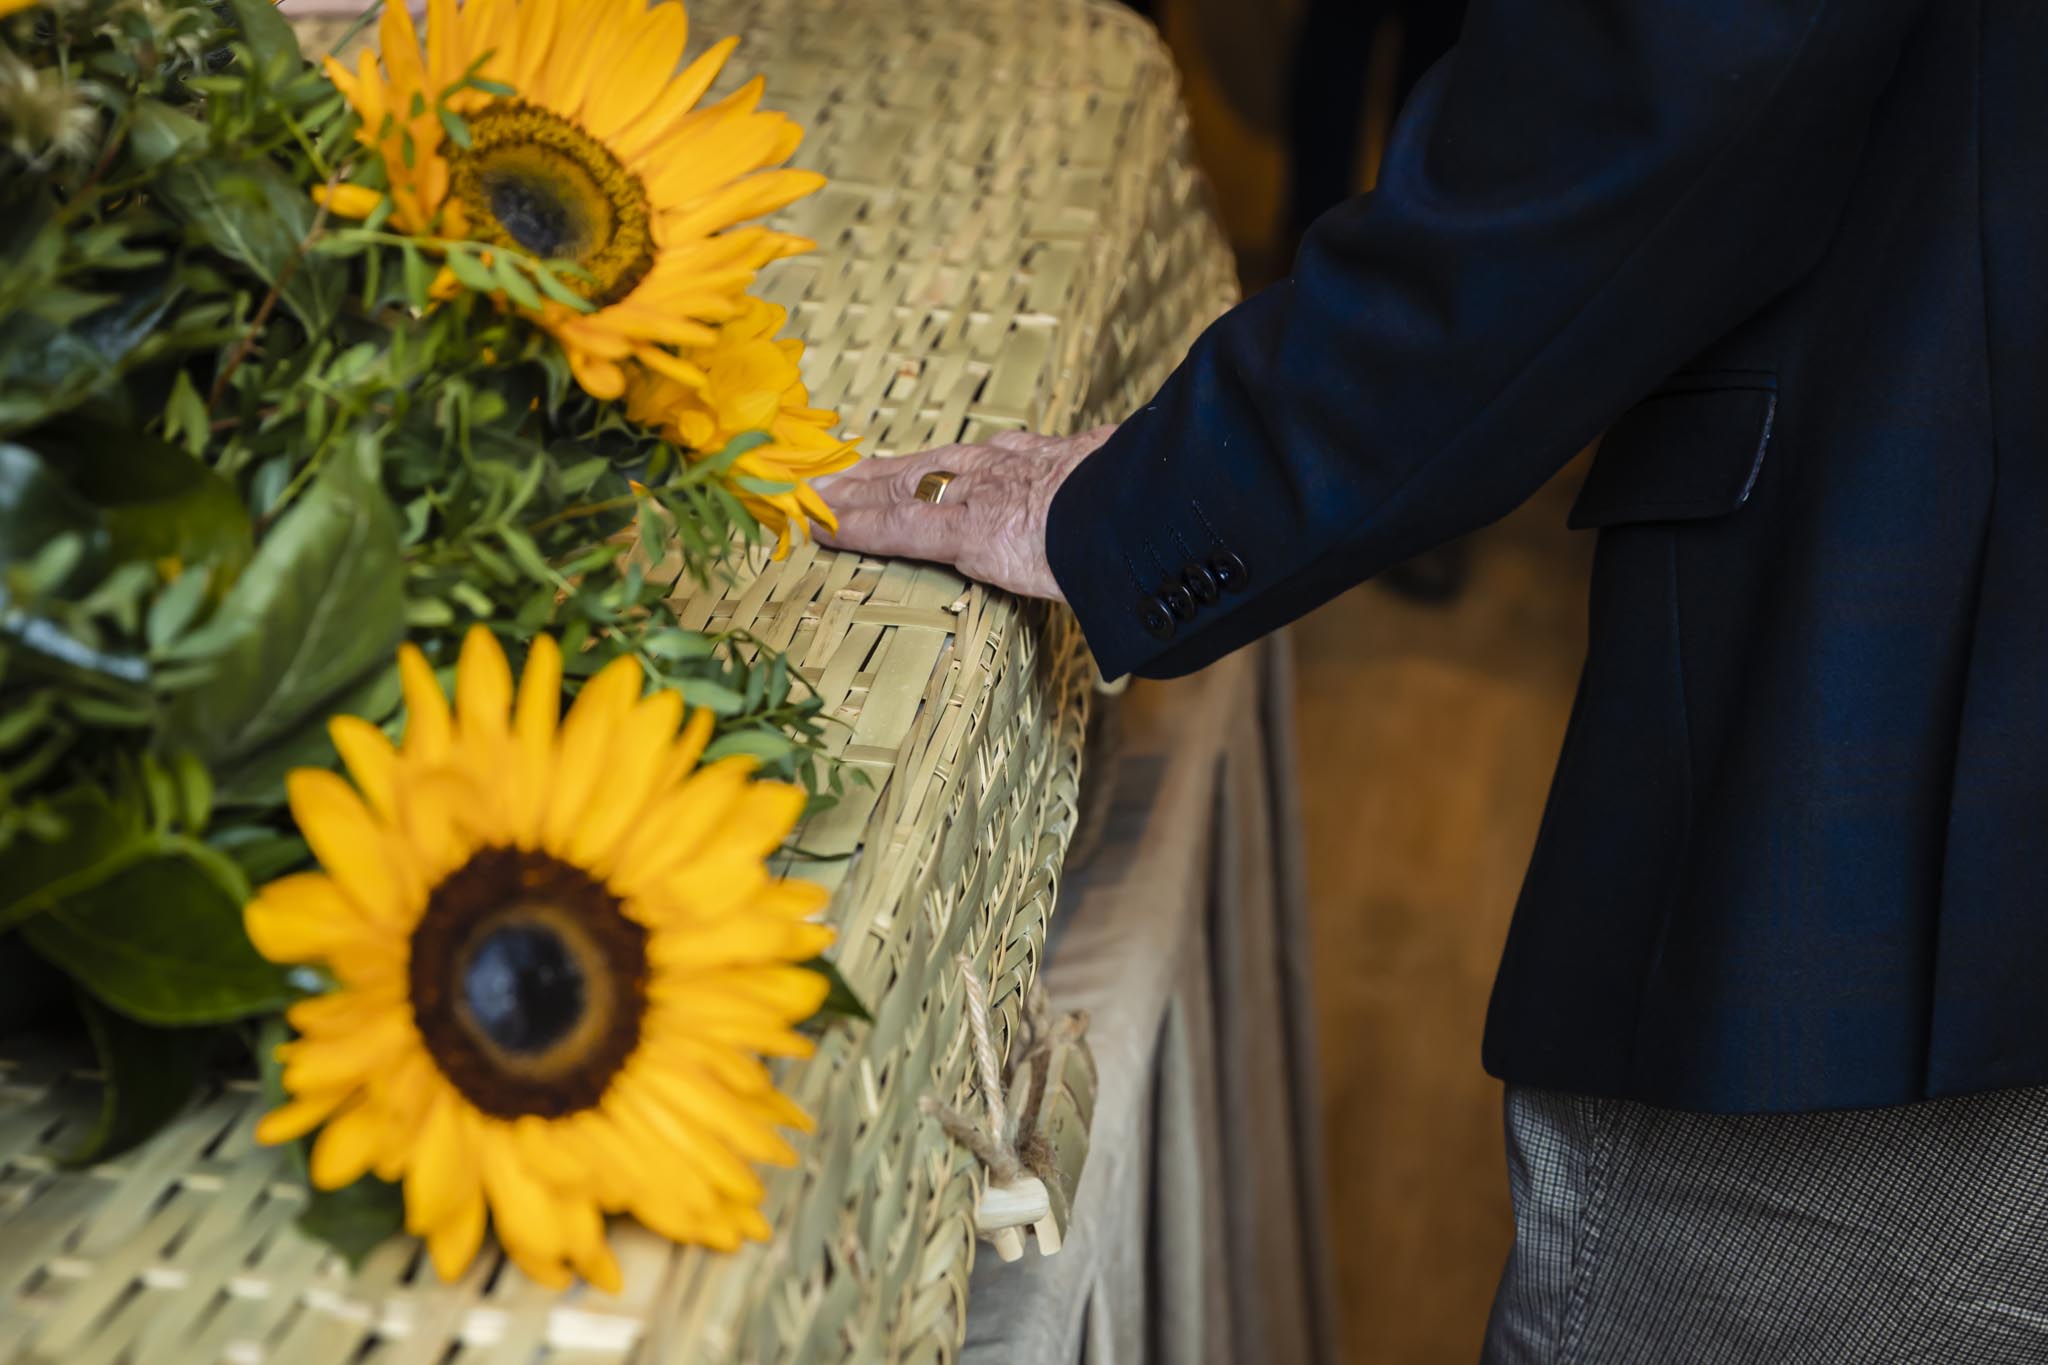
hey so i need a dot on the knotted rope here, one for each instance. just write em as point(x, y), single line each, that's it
point(994, 1141)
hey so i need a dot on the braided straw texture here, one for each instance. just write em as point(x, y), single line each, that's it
point(1014, 236)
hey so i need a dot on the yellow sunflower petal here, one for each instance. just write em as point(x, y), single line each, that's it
point(636, 760)
point(530, 1224)
point(370, 757)
point(533, 740)
point(428, 725)
point(346, 1148)
point(483, 686)
point(582, 749)
point(679, 822)
point(348, 201)
point(298, 1116)
point(680, 96)
point(303, 918)
point(443, 1173)
point(349, 844)
point(650, 60)
point(453, 1242)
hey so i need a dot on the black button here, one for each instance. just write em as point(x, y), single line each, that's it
point(1156, 616)
point(1179, 601)
point(1199, 581)
point(1229, 570)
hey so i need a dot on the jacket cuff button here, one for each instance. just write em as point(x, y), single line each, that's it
point(1196, 578)
point(1179, 601)
point(1230, 571)
point(1156, 616)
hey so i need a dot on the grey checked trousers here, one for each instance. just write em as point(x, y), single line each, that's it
point(1877, 1237)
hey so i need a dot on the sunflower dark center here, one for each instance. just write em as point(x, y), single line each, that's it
point(528, 983)
point(523, 987)
point(534, 180)
point(536, 217)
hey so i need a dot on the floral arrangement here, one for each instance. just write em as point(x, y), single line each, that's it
point(322, 392)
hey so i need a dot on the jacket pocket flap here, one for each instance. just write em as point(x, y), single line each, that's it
point(1690, 451)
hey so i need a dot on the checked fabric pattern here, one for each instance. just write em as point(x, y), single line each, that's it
point(1873, 1237)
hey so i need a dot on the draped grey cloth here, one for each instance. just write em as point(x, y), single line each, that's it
point(1197, 1236)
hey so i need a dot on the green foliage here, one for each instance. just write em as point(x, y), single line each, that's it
point(151, 1074)
point(840, 1000)
point(245, 450)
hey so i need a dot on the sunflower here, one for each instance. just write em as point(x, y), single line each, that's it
point(600, 156)
point(751, 383)
point(559, 958)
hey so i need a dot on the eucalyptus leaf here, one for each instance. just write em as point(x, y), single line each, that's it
point(674, 643)
point(162, 942)
point(321, 605)
point(249, 211)
point(270, 38)
point(769, 746)
point(150, 1075)
point(714, 697)
point(159, 132)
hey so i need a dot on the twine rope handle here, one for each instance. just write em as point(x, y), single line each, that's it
point(994, 1142)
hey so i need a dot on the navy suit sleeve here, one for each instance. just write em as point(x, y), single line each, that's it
point(1582, 197)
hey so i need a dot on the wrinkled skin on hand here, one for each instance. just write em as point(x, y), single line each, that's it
point(990, 524)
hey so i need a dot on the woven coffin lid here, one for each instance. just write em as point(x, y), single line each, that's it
point(1014, 236)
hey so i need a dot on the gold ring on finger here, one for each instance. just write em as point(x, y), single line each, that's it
point(932, 487)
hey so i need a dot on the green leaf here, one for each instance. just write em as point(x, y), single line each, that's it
point(176, 606)
point(157, 501)
point(470, 271)
point(185, 418)
point(516, 285)
point(355, 1219)
point(45, 369)
point(162, 942)
point(741, 444)
point(419, 280)
point(714, 697)
point(150, 1076)
point(269, 36)
point(674, 643)
point(840, 1001)
point(455, 126)
point(157, 132)
point(766, 745)
point(99, 839)
point(251, 212)
point(258, 780)
point(320, 606)
point(37, 508)
point(549, 278)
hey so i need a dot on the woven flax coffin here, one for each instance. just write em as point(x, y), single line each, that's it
point(1014, 237)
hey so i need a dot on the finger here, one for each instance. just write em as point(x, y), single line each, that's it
point(895, 478)
point(914, 530)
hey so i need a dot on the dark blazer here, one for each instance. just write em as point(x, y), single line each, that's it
point(1795, 254)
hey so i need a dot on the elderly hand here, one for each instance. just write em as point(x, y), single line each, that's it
point(990, 521)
